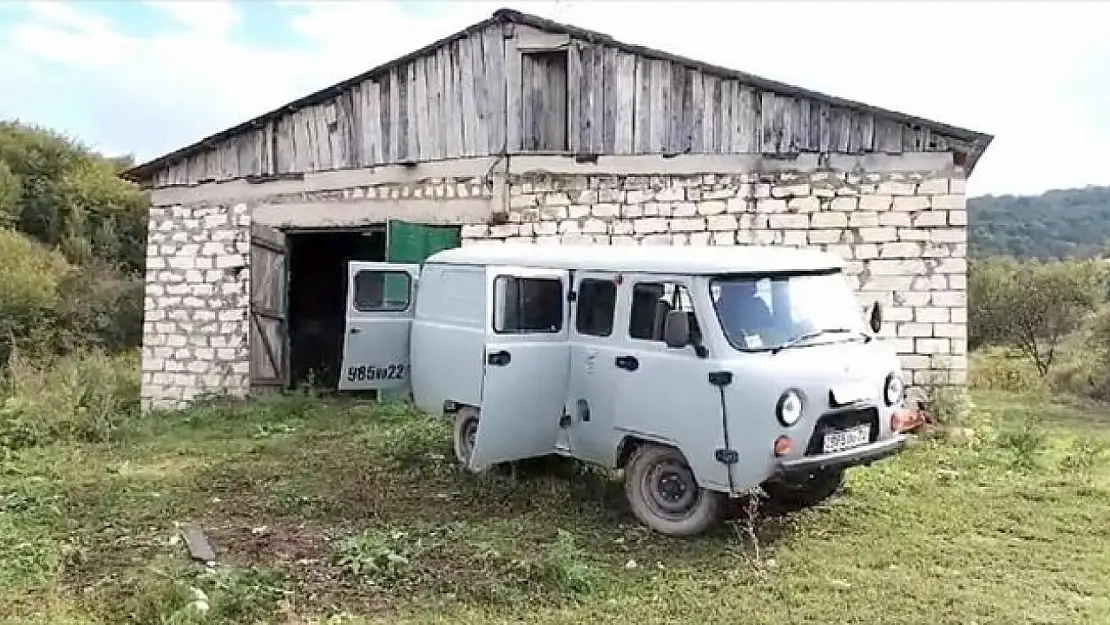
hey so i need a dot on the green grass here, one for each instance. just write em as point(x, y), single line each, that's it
point(327, 512)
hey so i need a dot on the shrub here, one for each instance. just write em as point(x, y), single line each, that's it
point(28, 292)
point(82, 397)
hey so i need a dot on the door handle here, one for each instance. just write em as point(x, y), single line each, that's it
point(355, 330)
point(499, 359)
point(627, 362)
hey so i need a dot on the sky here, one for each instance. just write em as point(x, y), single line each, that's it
point(147, 77)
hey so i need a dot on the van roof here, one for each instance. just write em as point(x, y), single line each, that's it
point(674, 259)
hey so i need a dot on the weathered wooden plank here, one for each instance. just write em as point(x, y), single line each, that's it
point(598, 86)
point(623, 89)
point(545, 101)
point(710, 113)
point(324, 157)
point(697, 108)
point(578, 77)
point(469, 102)
point(746, 119)
point(372, 123)
point(533, 40)
point(437, 83)
point(358, 118)
point(824, 139)
point(888, 136)
point(454, 98)
point(768, 123)
point(514, 119)
point(493, 48)
point(660, 104)
point(529, 125)
point(801, 133)
point(349, 136)
point(396, 125)
point(641, 112)
point(844, 129)
point(409, 114)
point(859, 137)
point(420, 116)
point(482, 96)
point(609, 97)
point(678, 133)
point(448, 139)
point(915, 138)
point(728, 101)
point(283, 145)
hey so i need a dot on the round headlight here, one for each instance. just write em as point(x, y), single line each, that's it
point(789, 408)
point(892, 390)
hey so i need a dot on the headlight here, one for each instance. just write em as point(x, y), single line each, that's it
point(892, 389)
point(789, 408)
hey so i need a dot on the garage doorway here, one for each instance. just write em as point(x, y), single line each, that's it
point(317, 287)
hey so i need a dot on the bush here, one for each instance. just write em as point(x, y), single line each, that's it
point(28, 292)
point(84, 397)
point(1032, 306)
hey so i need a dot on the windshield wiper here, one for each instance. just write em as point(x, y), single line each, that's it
point(816, 333)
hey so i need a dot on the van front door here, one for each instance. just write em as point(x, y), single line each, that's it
point(525, 365)
point(380, 304)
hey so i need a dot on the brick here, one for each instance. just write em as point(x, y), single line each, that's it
point(721, 222)
point(887, 283)
point(876, 203)
point(911, 203)
point(915, 330)
point(957, 186)
point(566, 227)
point(931, 314)
point(878, 235)
point(817, 237)
point(687, 225)
point(556, 199)
point(712, 207)
point(912, 234)
point(684, 209)
point(957, 218)
point(931, 346)
point(898, 313)
point(949, 299)
point(795, 237)
point(770, 206)
point(950, 202)
point(828, 220)
point(594, 226)
point(865, 251)
point(950, 330)
point(895, 267)
point(723, 238)
point(860, 219)
point(844, 204)
point(903, 249)
point(650, 225)
point(789, 220)
point(787, 191)
point(807, 204)
point(934, 186)
point(930, 219)
point(893, 187)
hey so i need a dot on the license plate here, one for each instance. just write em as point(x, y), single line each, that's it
point(846, 439)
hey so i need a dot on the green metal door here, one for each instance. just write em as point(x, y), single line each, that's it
point(412, 243)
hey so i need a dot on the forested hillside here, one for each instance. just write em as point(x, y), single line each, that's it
point(72, 246)
point(1055, 225)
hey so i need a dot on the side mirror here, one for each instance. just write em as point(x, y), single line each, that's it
point(676, 329)
point(876, 320)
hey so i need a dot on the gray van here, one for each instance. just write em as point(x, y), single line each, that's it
point(702, 372)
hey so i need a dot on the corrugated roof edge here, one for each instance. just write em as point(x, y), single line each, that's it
point(978, 141)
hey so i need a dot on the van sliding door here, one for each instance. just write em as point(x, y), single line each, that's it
point(526, 365)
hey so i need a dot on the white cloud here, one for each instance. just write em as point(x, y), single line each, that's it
point(1033, 74)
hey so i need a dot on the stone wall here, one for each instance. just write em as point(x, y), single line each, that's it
point(903, 237)
point(195, 332)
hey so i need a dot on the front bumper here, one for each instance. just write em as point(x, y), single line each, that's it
point(862, 455)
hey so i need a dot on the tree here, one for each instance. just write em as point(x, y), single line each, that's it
point(1032, 305)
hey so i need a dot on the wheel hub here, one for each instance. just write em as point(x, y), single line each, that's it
point(671, 489)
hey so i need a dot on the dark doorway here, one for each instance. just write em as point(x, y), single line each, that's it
point(318, 297)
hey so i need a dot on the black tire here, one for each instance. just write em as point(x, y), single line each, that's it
point(806, 493)
point(465, 431)
point(664, 495)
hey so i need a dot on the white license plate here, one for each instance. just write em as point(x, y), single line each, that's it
point(846, 439)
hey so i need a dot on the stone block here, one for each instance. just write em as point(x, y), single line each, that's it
point(723, 237)
point(949, 202)
point(828, 220)
point(901, 249)
point(605, 210)
point(650, 225)
point(931, 314)
point(915, 330)
point(878, 235)
point(896, 188)
point(933, 186)
point(877, 203)
point(861, 219)
point(712, 207)
point(957, 218)
point(790, 190)
point(930, 219)
point(770, 206)
point(931, 346)
point(949, 299)
point(826, 236)
point(721, 222)
point(844, 204)
point(789, 220)
point(910, 203)
point(803, 205)
point(880, 267)
point(948, 235)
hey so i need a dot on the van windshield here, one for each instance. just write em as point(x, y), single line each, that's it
point(769, 312)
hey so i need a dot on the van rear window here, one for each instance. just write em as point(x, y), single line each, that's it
point(597, 303)
point(382, 291)
point(527, 305)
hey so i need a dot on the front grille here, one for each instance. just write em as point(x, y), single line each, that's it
point(842, 420)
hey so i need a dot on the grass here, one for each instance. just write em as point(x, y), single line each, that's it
point(343, 512)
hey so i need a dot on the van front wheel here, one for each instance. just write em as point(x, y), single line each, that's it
point(664, 495)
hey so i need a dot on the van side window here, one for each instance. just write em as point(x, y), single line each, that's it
point(597, 303)
point(382, 291)
point(651, 301)
point(527, 305)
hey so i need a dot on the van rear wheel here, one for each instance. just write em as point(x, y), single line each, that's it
point(664, 495)
point(465, 433)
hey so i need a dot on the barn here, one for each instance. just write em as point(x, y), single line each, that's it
point(520, 128)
